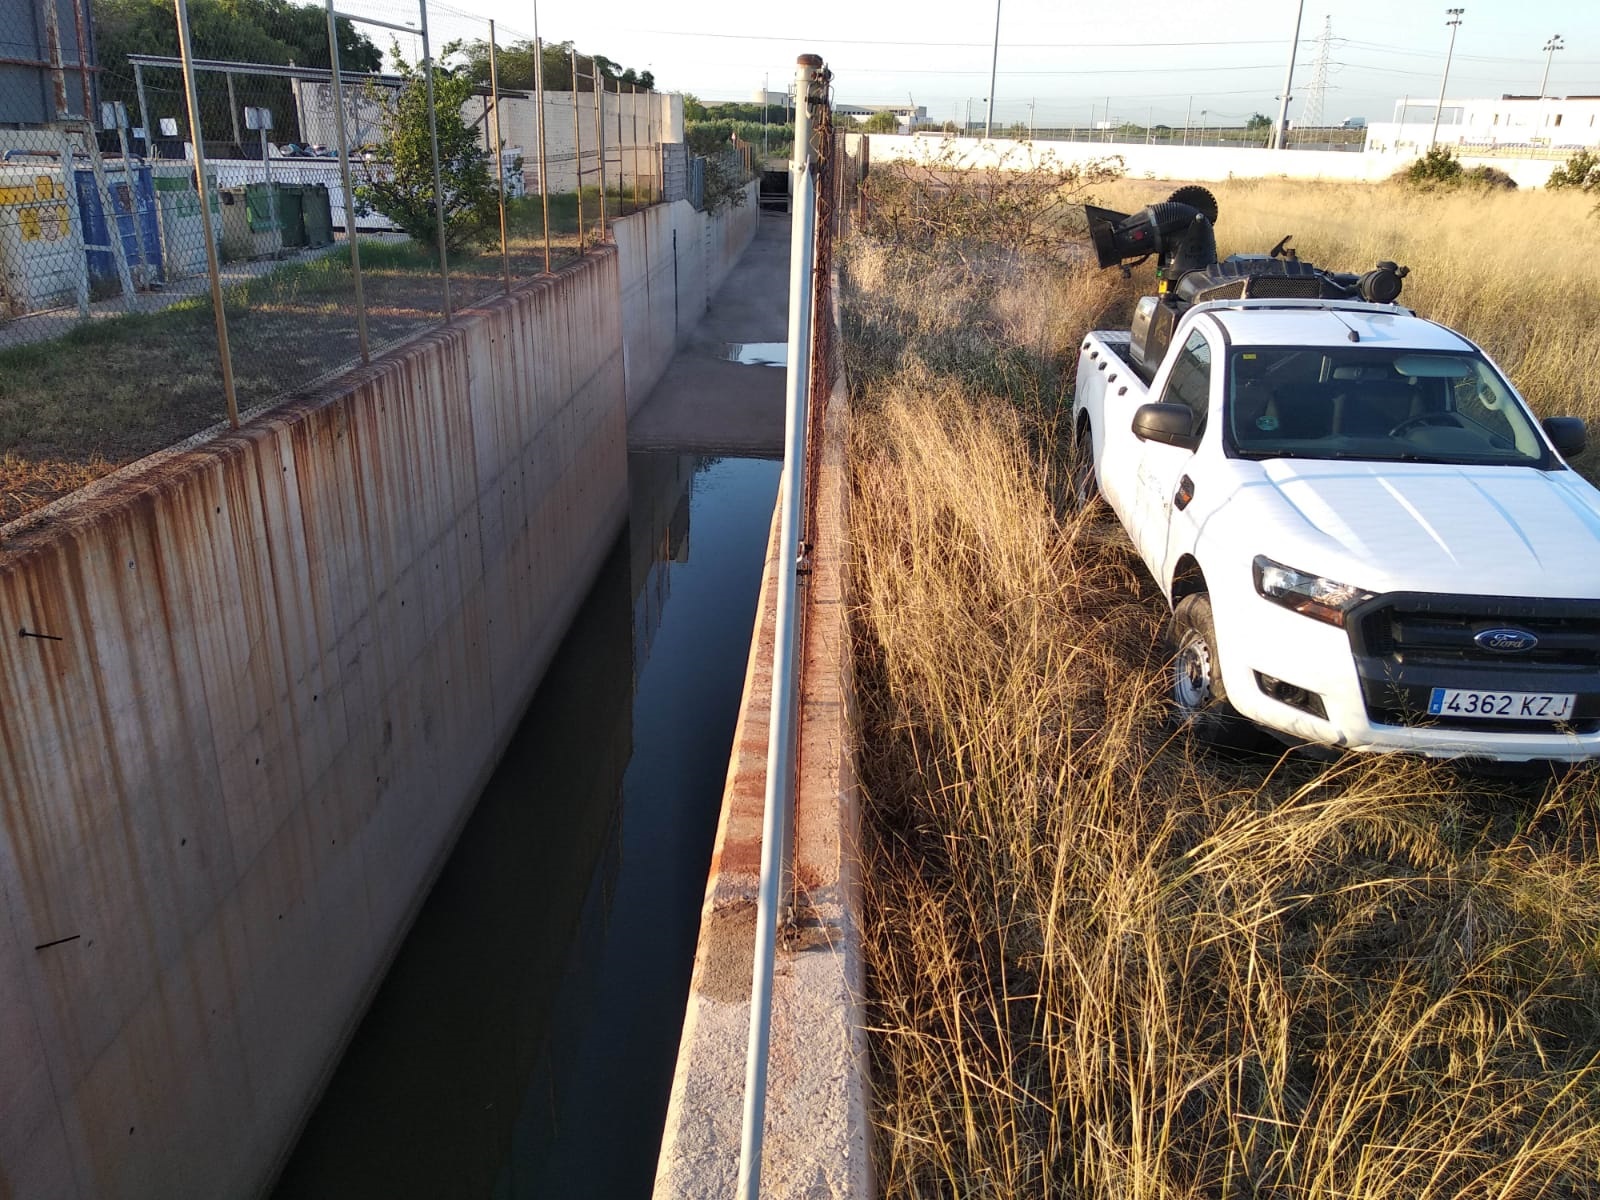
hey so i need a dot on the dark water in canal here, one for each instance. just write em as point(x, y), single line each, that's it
point(523, 1042)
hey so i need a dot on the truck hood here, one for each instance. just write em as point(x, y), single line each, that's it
point(1510, 531)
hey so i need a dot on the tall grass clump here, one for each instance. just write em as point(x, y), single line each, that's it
point(1102, 965)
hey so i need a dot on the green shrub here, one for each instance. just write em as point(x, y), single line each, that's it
point(1581, 171)
point(1437, 168)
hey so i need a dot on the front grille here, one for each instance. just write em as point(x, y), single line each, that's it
point(1407, 644)
point(1436, 635)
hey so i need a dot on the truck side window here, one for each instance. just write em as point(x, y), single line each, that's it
point(1190, 382)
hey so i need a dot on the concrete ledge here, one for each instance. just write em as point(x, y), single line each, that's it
point(817, 1130)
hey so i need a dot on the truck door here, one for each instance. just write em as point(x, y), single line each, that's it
point(1162, 468)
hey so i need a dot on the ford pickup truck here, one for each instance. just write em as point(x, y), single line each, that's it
point(1367, 539)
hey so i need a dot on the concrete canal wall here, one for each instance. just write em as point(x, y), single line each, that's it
point(251, 690)
point(673, 261)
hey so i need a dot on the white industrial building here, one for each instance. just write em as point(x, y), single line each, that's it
point(1506, 125)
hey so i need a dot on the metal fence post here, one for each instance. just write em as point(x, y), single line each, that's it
point(342, 140)
point(197, 135)
point(635, 147)
point(544, 166)
point(433, 143)
point(597, 87)
point(780, 740)
point(499, 156)
point(577, 148)
point(622, 173)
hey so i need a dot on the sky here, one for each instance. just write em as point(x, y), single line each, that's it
point(1065, 60)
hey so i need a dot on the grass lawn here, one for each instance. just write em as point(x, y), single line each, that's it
point(114, 390)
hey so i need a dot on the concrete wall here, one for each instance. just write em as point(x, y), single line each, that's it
point(1183, 162)
point(673, 260)
point(272, 672)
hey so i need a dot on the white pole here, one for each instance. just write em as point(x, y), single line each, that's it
point(1280, 133)
point(1438, 109)
point(342, 141)
point(780, 740)
point(1550, 49)
point(1188, 116)
point(994, 67)
point(433, 142)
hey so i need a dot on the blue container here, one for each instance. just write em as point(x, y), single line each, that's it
point(133, 199)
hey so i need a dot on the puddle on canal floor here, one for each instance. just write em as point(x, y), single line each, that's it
point(757, 354)
point(522, 1043)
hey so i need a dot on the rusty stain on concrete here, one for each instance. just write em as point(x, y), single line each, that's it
point(273, 702)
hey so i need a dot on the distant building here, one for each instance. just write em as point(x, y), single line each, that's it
point(1505, 125)
point(909, 115)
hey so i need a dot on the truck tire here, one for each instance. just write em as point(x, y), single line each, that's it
point(1080, 467)
point(1194, 681)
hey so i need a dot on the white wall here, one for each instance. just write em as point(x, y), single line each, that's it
point(1181, 162)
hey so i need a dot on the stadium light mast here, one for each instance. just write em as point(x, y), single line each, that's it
point(1454, 22)
point(1280, 133)
point(1550, 49)
point(994, 66)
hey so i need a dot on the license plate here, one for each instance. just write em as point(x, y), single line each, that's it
point(1501, 706)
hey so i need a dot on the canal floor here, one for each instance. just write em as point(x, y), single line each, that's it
point(522, 1044)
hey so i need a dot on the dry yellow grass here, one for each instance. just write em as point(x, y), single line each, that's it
point(1102, 966)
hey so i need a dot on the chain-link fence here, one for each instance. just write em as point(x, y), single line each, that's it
point(237, 200)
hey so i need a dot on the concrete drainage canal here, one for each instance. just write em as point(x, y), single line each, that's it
point(523, 1041)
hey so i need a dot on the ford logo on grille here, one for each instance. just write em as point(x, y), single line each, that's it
point(1506, 641)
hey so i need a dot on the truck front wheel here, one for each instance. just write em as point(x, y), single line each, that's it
point(1195, 688)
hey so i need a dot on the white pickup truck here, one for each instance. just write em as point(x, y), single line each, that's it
point(1367, 539)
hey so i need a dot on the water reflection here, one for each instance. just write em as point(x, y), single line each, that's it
point(523, 1041)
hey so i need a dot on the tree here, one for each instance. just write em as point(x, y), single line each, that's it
point(1258, 121)
point(516, 67)
point(261, 31)
point(693, 110)
point(405, 194)
point(882, 122)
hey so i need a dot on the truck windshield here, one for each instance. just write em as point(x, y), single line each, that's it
point(1383, 405)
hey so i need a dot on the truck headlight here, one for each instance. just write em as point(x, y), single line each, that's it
point(1312, 595)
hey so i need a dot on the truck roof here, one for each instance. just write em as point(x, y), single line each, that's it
point(1309, 326)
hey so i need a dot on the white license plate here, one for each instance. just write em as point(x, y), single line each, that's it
point(1501, 706)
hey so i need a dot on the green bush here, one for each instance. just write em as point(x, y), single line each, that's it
point(1437, 168)
point(1581, 171)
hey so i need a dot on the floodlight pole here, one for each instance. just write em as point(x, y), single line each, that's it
point(994, 65)
point(1438, 110)
point(1280, 133)
point(1550, 49)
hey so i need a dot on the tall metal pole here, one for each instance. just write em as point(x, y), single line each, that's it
point(433, 143)
point(597, 84)
point(1280, 131)
point(994, 67)
point(544, 177)
point(1438, 110)
point(1550, 49)
point(765, 79)
point(1188, 116)
point(780, 760)
point(499, 156)
point(577, 148)
point(622, 173)
point(192, 94)
point(342, 140)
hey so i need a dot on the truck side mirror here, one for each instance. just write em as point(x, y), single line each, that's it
point(1567, 434)
point(1169, 424)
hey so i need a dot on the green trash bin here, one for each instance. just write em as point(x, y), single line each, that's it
point(291, 213)
point(318, 209)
